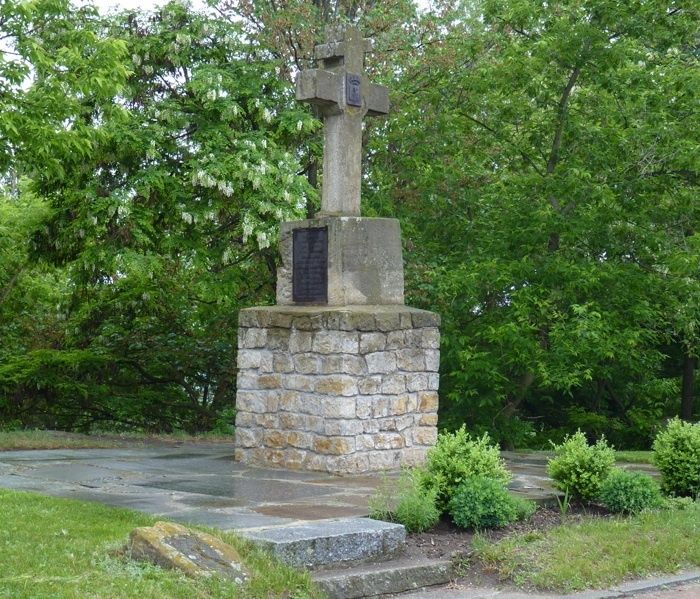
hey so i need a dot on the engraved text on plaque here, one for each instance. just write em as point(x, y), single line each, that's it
point(310, 265)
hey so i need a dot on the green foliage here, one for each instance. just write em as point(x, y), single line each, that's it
point(548, 192)
point(455, 457)
point(481, 502)
point(629, 492)
point(405, 501)
point(677, 456)
point(580, 468)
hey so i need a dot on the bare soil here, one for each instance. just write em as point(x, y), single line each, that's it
point(445, 540)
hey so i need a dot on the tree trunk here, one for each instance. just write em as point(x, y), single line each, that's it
point(687, 386)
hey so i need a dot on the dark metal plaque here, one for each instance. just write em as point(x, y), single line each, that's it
point(310, 265)
point(353, 91)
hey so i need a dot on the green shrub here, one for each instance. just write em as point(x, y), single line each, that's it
point(481, 502)
point(579, 467)
point(414, 505)
point(455, 457)
point(677, 456)
point(629, 492)
point(416, 508)
point(677, 503)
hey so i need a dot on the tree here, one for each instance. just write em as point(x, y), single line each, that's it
point(166, 228)
point(543, 169)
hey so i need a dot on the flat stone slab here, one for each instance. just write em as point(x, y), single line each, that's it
point(396, 576)
point(195, 553)
point(314, 544)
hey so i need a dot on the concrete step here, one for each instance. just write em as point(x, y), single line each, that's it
point(320, 542)
point(395, 576)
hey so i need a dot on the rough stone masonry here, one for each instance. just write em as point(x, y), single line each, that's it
point(340, 376)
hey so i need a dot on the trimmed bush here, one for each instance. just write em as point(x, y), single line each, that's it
point(579, 467)
point(455, 457)
point(481, 502)
point(624, 492)
point(415, 505)
point(677, 456)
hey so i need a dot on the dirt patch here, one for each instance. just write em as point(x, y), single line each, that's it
point(446, 540)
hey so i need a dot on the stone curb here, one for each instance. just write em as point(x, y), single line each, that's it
point(316, 543)
point(620, 591)
point(396, 576)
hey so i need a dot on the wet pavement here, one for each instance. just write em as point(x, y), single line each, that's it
point(201, 484)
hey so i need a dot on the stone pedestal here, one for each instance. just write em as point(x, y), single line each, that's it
point(339, 389)
point(365, 265)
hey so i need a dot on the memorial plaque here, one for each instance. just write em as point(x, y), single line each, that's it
point(353, 94)
point(310, 265)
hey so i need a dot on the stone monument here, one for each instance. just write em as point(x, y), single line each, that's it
point(340, 375)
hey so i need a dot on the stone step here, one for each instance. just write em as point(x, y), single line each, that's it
point(395, 576)
point(320, 542)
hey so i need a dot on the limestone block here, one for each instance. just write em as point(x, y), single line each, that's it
point(395, 339)
point(430, 419)
point(398, 405)
point(307, 363)
point(247, 437)
point(428, 401)
point(303, 422)
point(300, 440)
point(423, 318)
point(278, 338)
point(369, 385)
point(275, 439)
point(388, 321)
point(372, 342)
point(388, 441)
point(417, 381)
point(433, 381)
point(432, 360)
point(343, 363)
point(365, 406)
point(381, 362)
point(267, 421)
point(299, 382)
point(425, 435)
point(194, 553)
point(300, 341)
point(338, 384)
point(430, 338)
point(393, 384)
point(255, 358)
point(252, 338)
point(411, 360)
point(290, 401)
point(329, 342)
point(334, 445)
point(250, 401)
point(282, 362)
point(339, 407)
point(343, 428)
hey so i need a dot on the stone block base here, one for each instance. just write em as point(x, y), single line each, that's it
point(342, 390)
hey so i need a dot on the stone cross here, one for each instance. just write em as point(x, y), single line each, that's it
point(342, 91)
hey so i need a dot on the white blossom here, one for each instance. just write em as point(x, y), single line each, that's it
point(263, 241)
point(300, 124)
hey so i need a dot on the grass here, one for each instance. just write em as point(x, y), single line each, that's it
point(630, 457)
point(634, 457)
point(597, 552)
point(67, 549)
point(40, 439)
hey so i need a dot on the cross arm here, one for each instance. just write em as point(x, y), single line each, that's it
point(317, 86)
point(377, 98)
